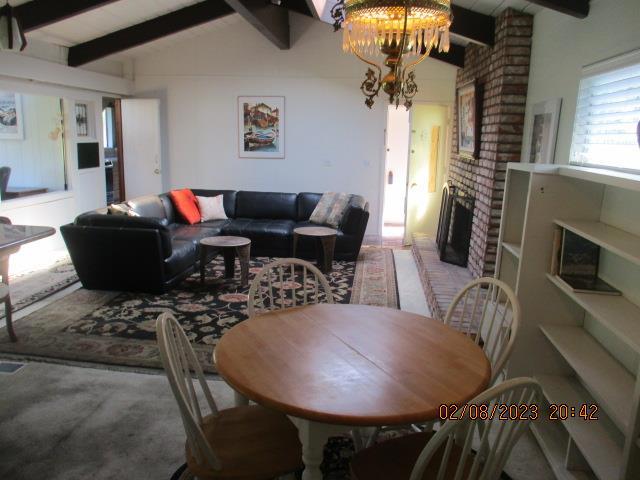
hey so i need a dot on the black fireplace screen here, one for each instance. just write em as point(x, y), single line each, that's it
point(454, 226)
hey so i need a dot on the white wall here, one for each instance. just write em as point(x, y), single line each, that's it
point(333, 142)
point(36, 160)
point(87, 188)
point(562, 45)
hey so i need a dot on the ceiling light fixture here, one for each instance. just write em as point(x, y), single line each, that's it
point(11, 32)
point(401, 33)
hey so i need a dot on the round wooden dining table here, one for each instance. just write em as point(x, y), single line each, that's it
point(335, 367)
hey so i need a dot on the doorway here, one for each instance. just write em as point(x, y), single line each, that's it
point(395, 179)
point(112, 142)
point(415, 161)
point(428, 144)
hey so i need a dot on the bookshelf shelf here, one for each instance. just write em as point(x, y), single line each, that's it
point(582, 347)
point(608, 381)
point(512, 248)
point(617, 241)
point(552, 441)
point(597, 443)
point(620, 315)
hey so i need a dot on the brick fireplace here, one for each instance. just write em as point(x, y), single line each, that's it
point(503, 72)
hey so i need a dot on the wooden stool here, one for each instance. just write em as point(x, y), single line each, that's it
point(231, 247)
point(326, 237)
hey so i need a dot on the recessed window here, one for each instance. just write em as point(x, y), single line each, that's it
point(607, 125)
point(32, 145)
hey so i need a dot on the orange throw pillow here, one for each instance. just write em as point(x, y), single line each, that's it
point(186, 205)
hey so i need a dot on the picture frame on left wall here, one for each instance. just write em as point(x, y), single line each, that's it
point(261, 127)
point(11, 119)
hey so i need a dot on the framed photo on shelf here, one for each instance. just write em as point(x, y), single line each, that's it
point(469, 117)
point(540, 144)
point(261, 127)
point(11, 120)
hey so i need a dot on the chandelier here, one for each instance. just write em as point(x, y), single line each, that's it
point(399, 34)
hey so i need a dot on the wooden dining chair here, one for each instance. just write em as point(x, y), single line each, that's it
point(488, 311)
point(288, 282)
point(463, 448)
point(241, 443)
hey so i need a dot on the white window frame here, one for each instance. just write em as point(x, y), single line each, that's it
point(612, 64)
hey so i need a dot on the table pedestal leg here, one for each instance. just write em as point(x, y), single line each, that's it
point(229, 262)
point(243, 257)
point(203, 261)
point(295, 245)
point(240, 400)
point(325, 260)
point(9, 320)
point(314, 436)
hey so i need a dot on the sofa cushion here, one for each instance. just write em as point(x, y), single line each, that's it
point(229, 198)
point(186, 205)
point(183, 256)
point(306, 204)
point(330, 209)
point(195, 233)
point(148, 206)
point(254, 228)
point(211, 208)
point(266, 205)
point(169, 211)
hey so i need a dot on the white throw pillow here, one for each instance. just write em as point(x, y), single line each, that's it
point(211, 208)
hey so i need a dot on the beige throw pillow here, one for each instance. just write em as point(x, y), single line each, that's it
point(121, 209)
point(330, 209)
point(212, 208)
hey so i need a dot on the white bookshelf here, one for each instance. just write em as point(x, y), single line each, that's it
point(583, 348)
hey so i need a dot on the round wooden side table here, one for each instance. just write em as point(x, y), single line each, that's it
point(230, 247)
point(325, 244)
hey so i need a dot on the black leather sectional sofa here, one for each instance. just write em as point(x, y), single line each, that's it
point(155, 251)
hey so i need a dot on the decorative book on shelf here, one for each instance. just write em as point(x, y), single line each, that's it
point(575, 261)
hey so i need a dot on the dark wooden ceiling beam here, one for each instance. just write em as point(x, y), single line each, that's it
point(455, 55)
point(148, 31)
point(473, 26)
point(40, 13)
point(271, 21)
point(575, 8)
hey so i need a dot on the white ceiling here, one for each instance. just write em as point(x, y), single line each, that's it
point(125, 13)
point(488, 7)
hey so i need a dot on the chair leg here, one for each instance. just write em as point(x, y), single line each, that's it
point(8, 318)
point(4, 269)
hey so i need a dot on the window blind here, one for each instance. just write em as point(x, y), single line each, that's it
point(606, 129)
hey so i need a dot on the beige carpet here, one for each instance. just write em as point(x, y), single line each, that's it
point(116, 328)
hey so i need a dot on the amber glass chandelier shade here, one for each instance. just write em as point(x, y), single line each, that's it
point(372, 27)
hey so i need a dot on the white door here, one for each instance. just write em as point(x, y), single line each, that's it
point(427, 154)
point(141, 147)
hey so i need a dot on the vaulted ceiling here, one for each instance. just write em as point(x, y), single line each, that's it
point(94, 29)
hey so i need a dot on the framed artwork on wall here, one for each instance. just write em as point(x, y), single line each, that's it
point(261, 127)
point(540, 144)
point(469, 117)
point(11, 121)
point(84, 120)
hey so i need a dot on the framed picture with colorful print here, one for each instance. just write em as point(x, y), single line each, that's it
point(261, 127)
point(469, 105)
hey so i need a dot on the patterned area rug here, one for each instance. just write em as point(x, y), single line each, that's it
point(31, 287)
point(117, 328)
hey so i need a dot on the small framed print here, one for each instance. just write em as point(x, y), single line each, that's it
point(540, 145)
point(261, 127)
point(469, 117)
point(11, 120)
